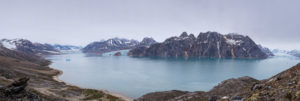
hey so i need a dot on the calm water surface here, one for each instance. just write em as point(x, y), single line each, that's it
point(134, 77)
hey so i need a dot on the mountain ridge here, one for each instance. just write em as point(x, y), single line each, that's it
point(208, 44)
point(115, 44)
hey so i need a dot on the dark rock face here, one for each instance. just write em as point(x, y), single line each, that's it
point(116, 44)
point(209, 44)
point(28, 47)
point(117, 54)
point(146, 42)
point(266, 50)
point(174, 46)
point(17, 92)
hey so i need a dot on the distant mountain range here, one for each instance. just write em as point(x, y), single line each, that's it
point(209, 44)
point(115, 44)
point(26, 46)
point(295, 53)
point(282, 52)
point(67, 48)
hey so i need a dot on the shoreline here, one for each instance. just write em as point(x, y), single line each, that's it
point(56, 78)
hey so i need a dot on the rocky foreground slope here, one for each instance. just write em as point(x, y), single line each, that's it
point(209, 44)
point(116, 44)
point(284, 86)
point(25, 77)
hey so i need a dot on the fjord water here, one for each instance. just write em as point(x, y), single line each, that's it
point(134, 77)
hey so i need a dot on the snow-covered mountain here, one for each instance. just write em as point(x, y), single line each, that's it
point(295, 53)
point(279, 51)
point(115, 44)
point(286, 52)
point(67, 48)
point(26, 46)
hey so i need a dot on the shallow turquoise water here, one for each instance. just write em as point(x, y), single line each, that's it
point(134, 77)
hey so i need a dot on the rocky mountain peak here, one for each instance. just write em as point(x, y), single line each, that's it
point(109, 45)
point(183, 37)
point(192, 36)
point(184, 34)
point(147, 41)
point(208, 44)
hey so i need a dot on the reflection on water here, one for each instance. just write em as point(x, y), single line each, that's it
point(136, 76)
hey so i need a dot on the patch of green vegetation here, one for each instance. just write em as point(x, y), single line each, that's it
point(112, 98)
point(254, 97)
point(93, 94)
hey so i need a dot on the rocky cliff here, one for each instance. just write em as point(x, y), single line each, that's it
point(284, 86)
point(116, 44)
point(209, 44)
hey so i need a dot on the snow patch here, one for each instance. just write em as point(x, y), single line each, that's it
point(9, 44)
point(218, 46)
point(232, 41)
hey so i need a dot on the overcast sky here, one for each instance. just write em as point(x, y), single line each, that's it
point(272, 23)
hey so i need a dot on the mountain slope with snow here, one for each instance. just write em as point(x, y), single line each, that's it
point(115, 44)
point(67, 48)
point(26, 46)
point(266, 50)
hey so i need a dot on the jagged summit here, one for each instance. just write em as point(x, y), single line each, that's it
point(147, 41)
point(184, 34)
